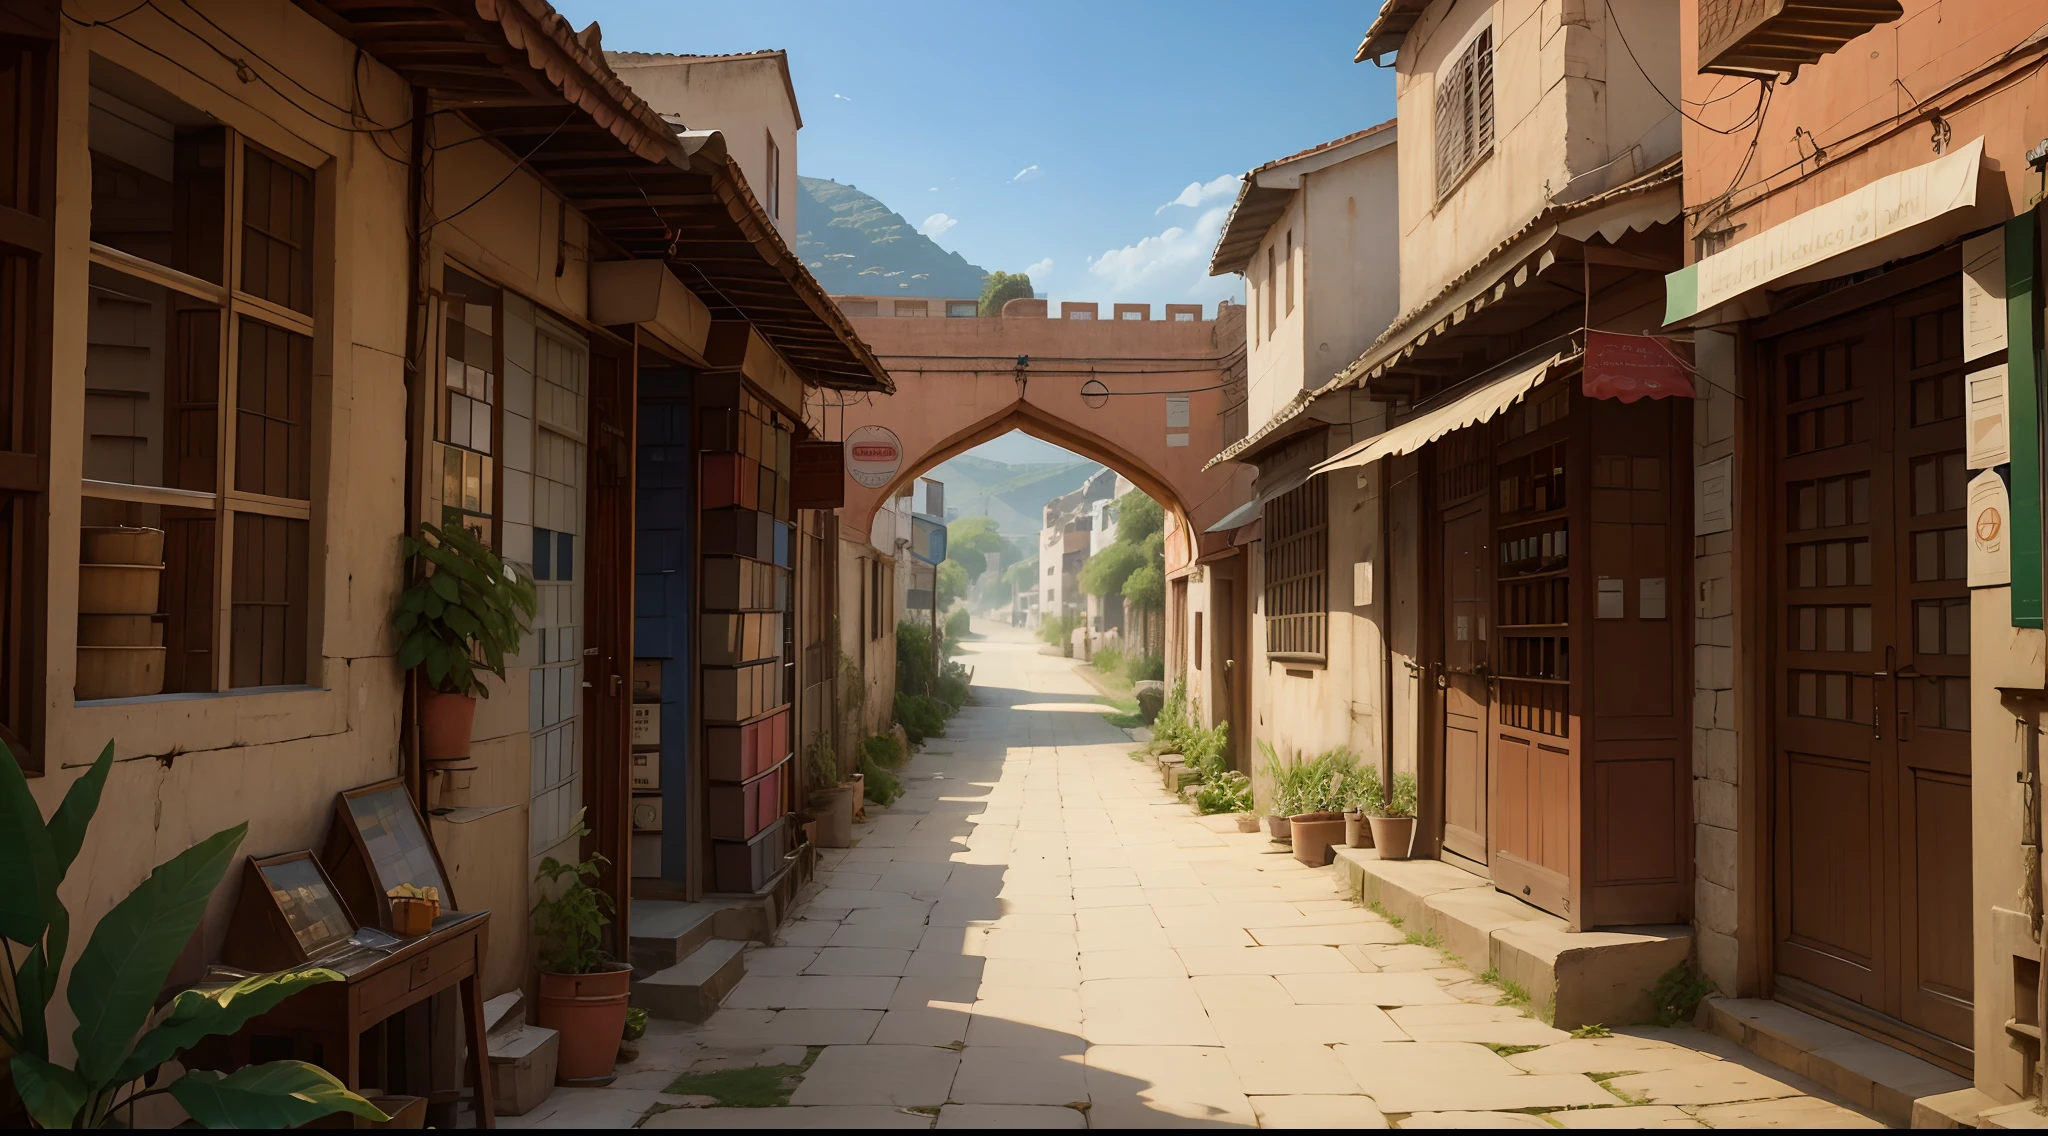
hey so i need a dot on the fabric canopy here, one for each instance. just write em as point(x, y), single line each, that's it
point(1470, 408)
point(1249, 512)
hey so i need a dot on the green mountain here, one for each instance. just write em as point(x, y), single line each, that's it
point(855, 245)
point(1013, 496)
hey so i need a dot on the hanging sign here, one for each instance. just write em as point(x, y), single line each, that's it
point(927, 538)
point(1990, 531)
point(873, 455)
point(1629, 367)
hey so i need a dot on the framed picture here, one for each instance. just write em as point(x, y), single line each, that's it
point(288, 914)
point(379, 841)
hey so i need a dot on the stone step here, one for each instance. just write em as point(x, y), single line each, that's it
point(1573, 978)
point(690, 990)
point(1871, 1074)
point(666, 931)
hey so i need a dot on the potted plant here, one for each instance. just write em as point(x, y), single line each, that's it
point(122, 1039)
point(1286, 779)
point(1318, 821)
point(1393, 820)
point(832, 800)
point(582, 990)
point(1361, 791)
point(466, 610)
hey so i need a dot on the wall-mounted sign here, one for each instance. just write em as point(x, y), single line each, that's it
point(1990, 531)
point(1984, 294)
point(1988, 441)
point(927, 539)
point(873, 455)
point(1713, 497)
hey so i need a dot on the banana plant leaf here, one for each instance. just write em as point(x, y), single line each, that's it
point(117, 977)
point(36, 857)
point(51, 1093)
point(206, 1011)
point(277, 1094)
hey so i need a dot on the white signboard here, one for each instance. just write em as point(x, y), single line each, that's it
point(1990, 511)
point(1984, 294)
point(1176, 412)
point(873, 455)
point(1988, 440)
point(1713, 498)
point(1361, 584)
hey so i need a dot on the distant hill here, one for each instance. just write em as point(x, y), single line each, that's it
point(1013, 496)
point(856, 245)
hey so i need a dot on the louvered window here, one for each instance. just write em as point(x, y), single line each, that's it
point(1296, 532)
point(1464, 113)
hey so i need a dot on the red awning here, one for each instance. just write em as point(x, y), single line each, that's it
point(1629, 367)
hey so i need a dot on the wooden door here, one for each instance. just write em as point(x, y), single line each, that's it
point(1464, 676)
point(608, 626)
point(1871, 676)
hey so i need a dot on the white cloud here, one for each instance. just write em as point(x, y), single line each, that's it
point(936, 224)
point(1197, 193)
point(1030, 171)
point(840, 97)
point(1173, 265)
point(1038, 268)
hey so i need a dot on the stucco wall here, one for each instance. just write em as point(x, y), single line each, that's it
point(746, 98)
point(1353, 267)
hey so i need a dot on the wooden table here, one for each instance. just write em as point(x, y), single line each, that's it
point(378, 983)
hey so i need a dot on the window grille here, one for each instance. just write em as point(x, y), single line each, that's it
point(1297, 572)
point(1464, 113)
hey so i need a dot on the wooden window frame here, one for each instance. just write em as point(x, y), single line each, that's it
point(27, 324)
point(1287, 266)
point(1296, 527)
point(226, 500)
point(1464, 113)
point(774, 186)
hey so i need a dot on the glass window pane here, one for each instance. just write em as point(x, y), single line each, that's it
point(268, 625)
point(273, 402)
point(277, 231)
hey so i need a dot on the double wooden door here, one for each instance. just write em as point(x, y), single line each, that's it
point(1464, 680)
point(1870, 680)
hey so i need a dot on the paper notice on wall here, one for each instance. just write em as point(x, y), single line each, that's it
point(1176, 440)
point(1990, 510)
point(1986, 434)
point(1612, 599)
point(1176, 412)
point(1462, 628)
point(1713, 498)
point(1650, 598)
point(1984, 294)
point(1361, 583)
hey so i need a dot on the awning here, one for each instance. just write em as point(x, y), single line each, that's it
point(1248, 513)
point(1889, 205)
point(1473, 407)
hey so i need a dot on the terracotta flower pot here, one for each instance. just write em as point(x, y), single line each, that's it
point(832, 809)
point(1276, 827)
point(1246, 822)
point(589, 1010)
point(1357, 830)
point(1314, 833)
point(1392, 836)
point(445, 721)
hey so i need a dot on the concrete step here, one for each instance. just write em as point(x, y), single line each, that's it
point(690, 990)
point(1574, 978)
point(2025, 1114)
point(666, 931)
point(1871, 1074)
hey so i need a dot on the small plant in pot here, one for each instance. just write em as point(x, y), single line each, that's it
point(1287, 779)
point(1393, 820)
point(1319, 800)
point(1361, 792)
point(465, 611)
point(832, 800)
point(582, 990)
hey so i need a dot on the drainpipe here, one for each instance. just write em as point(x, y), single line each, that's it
point(415, 360)
point(1384, 600)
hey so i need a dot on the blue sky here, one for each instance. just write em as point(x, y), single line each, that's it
point(1050, 136)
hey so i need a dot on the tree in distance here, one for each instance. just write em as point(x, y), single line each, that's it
point(999, 288)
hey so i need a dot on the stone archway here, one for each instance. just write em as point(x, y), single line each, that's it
point(959, 383)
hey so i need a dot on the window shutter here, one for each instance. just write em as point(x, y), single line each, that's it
point(1450, 118)
point(1481, 74)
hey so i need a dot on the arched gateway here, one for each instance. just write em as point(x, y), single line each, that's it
point(1108, 390)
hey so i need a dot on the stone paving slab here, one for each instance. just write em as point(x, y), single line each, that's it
point(1036, 935)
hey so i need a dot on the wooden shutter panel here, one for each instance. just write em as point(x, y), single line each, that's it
point(28, 105)
point(1482, 94)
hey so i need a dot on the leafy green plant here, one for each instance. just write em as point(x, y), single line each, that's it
point(1360, 789)
point(952, 689)
point(921, 716)
point(1145, 668)
point(1315, 785)
point(1229, 793)
point(1108, 660)
point(1678, 994)
point(883, 750)
point(1400, 802)
point(636, 1024)
point(999, 288)
point(569, 925)
point(115, 982)
point(1057, 629)
point(464, 610)
point(957, 622)
point(824, 763)
point(878, 783)
point(1591, 1030)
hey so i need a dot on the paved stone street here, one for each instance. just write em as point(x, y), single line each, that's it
point(1036, 935)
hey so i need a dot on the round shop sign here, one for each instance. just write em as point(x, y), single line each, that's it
point(873, 455)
